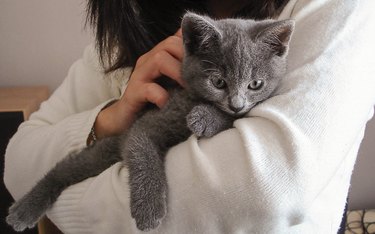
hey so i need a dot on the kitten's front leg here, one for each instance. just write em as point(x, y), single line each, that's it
point(207, 120)
point(149, 138)
point(147, 181)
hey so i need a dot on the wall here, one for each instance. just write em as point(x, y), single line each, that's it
point(40, 39)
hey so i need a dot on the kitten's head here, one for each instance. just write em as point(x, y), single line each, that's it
point(234, 63)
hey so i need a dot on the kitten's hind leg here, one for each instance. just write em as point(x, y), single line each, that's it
point(147, 181)
point(26, 212)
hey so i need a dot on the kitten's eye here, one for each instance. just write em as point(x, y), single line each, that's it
point(255, 84)
point(219, 83)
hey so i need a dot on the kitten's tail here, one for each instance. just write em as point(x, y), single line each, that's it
point(75, 168)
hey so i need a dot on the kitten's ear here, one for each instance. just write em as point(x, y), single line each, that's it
point(277, 36)
point(199, 33)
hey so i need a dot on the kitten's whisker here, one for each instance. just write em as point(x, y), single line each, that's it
point(210, 70)
point(210, 62)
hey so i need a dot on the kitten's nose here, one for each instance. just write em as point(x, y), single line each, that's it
point(236, 104)
point(236, 108)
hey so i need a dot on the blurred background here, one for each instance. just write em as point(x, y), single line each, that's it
point(40, 39)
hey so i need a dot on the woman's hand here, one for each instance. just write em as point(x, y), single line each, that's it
point(164, 59)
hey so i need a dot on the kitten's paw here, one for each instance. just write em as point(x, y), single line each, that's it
point(21, 216)
point(199, 122)
point(149, 209)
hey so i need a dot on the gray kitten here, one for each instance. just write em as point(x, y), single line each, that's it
point(230, 65)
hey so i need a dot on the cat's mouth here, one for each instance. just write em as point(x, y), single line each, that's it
point(238, 114)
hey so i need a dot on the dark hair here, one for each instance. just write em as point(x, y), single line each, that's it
point(126, 29)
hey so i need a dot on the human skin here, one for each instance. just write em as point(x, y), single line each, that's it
point(164, 59)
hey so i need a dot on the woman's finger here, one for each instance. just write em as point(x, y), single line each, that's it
point(160, 64)
point(155, 94)
point(179, 33)
point(173, 45)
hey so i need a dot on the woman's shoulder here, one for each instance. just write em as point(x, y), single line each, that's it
point(116, 80)
point(91, 57)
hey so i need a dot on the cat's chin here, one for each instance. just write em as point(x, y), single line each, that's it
point(239, 114)
point(236, 114)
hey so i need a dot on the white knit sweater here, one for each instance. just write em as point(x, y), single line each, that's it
point(284, 168)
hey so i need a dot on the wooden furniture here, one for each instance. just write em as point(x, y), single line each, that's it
point(22, 100)
point(16, 106)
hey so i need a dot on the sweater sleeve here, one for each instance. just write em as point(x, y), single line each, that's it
point(285, 168)
point(59, 127)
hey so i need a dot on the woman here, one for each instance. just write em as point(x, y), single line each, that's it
point(285, 168)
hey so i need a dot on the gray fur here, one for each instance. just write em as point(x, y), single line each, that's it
point(242, 53)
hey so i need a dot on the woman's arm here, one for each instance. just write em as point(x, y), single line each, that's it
point(60, 127)
point(79, 92)
point(286, 168)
